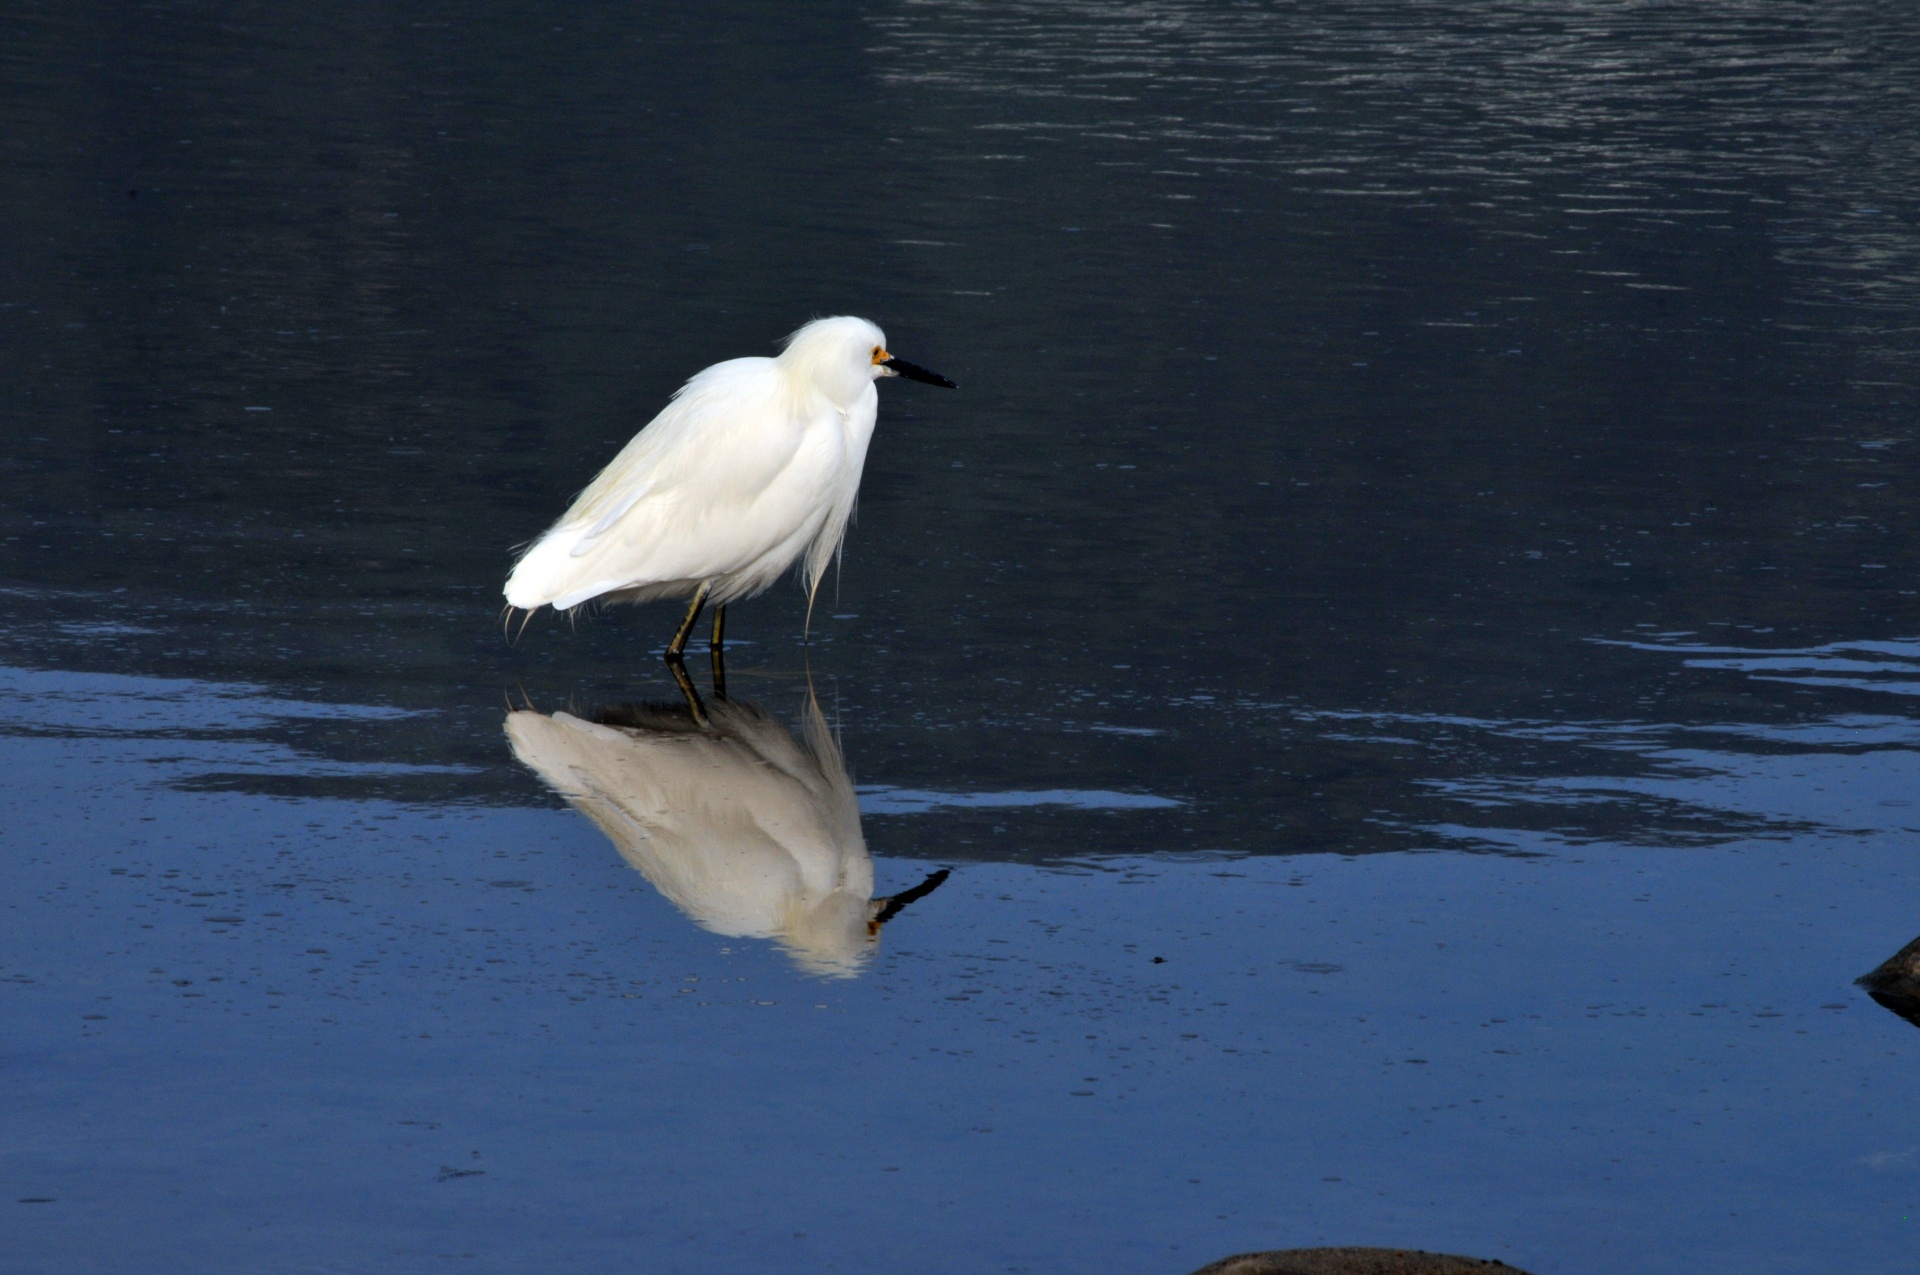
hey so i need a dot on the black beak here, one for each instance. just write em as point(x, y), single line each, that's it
point(914, 372)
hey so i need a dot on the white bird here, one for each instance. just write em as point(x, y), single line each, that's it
point(741, 828)
point(753, 465)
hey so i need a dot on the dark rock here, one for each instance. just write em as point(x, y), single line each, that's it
point(1355, 1261)
point(1896, 984)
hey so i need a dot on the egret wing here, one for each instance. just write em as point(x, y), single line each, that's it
point(684, 501)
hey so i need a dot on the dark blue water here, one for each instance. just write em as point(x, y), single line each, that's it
point(1407, 640)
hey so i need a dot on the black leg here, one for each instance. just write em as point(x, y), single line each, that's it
point(678, 668)
point(717, 649)
point(686, 625)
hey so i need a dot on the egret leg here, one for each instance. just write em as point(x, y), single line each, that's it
point(678, 668)
point(716, 648)
point(686, 625)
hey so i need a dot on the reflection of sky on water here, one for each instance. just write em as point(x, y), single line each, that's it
point(196, 733)
point(1402, 780)
point(1691, 784)
point(1891, 668)
point(880, 799)
point(428, 1016)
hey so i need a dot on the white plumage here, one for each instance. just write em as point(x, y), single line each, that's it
point(753, 466)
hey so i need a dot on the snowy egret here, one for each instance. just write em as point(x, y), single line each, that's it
point(742, 828)
point(753, 465)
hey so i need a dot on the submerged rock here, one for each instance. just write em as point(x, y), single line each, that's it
point(1354, 1261)
point(1896, 983)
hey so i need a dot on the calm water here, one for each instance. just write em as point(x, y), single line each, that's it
point(1407, 640)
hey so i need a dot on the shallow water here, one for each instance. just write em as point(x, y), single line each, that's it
point(1405, 638)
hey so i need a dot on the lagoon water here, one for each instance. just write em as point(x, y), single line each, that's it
point(1407, 640)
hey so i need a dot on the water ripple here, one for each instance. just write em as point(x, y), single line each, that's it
point(1539, 117)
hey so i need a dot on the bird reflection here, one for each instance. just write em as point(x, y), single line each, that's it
point(750, 832)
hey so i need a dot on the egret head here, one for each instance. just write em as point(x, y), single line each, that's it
point(843, 355)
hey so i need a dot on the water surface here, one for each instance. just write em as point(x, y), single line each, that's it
point(1405, 639)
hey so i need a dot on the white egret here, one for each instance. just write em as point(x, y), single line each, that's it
point(753, 465)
